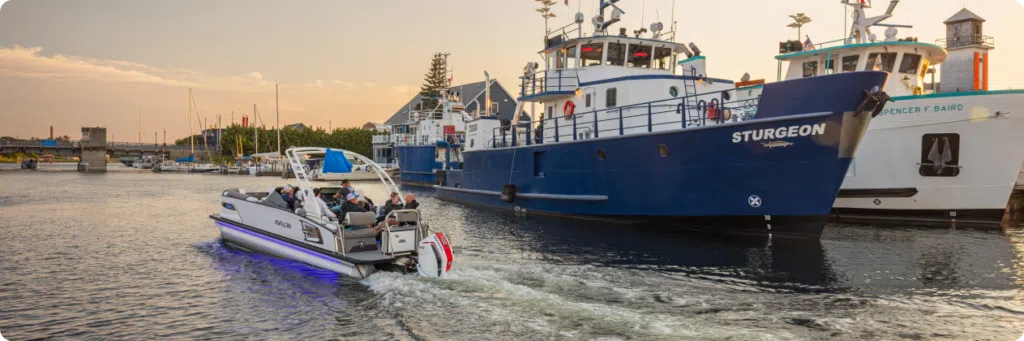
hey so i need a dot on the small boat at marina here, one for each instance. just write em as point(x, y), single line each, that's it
point(358, 172)
point(263, 222)
point(634, 128)
point(942, 154)
point(145, 162)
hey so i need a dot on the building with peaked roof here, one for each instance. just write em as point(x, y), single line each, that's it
point(295, 126)
point(472, 94)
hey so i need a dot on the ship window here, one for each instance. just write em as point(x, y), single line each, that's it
point(538, 164)
point(850, 63)
point(551, 111)
point(610, 97)
point(590, 54)
point(600, 154)
point(881, 62)
point(662, 58)
point(586, 101)
point(673, 91)
point(663, 150)
point(940, 155)
point(570, 56)
point(616, 54)
point(831, 66)
point(810, 69)
point(910, 63)
point(639, 56)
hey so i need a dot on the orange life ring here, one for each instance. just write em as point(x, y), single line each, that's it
point(569, 109)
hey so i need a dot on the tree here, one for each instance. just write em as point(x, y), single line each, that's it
point(433, 83)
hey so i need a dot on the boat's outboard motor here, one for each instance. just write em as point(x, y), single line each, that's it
point(435, 256)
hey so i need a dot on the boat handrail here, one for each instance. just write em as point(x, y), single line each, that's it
point(693, 111)
point(553, 80)
point(293, 155)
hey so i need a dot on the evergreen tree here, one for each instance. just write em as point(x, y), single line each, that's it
point(433, 83)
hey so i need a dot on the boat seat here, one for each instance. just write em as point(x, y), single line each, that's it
point(407, 216)
point(356, 219)
point(360, 238)
point(275, 200)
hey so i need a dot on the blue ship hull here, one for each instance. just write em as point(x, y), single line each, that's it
point(725, 177)
point(416, 164)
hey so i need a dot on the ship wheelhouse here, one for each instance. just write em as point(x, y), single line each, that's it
point(907, 62)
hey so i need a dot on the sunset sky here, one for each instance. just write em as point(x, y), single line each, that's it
point(69, 63)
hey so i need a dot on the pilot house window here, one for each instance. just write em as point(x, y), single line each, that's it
point(610, 97)
point(881, 62)
point(639, 56)
point(810, 69)
point(940, 155)
point(662, 58)
point(850, 63)
point(910, 63)
point(570, 56)
point(590, 54)
point(616, 54)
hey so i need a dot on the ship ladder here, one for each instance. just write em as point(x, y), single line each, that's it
point(692, 107)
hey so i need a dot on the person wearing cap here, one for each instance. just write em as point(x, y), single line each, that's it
point(350, 205)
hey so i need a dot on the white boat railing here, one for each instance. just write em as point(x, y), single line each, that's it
point(403, 139)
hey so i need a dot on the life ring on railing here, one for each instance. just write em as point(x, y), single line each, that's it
point(569, 109)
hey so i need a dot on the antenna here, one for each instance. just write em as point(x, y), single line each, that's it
point(799, 20)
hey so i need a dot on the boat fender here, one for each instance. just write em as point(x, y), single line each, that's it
point(569, 109)
point(435, 256)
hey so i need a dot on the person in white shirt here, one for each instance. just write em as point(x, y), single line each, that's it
point(323, 205)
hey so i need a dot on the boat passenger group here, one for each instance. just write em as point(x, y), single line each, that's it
point(349, 200)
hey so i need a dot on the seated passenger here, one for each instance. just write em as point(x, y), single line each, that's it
point(323, 205)
point(411, 203)
point(288, 194)
point(394, 204)
point(350, 205)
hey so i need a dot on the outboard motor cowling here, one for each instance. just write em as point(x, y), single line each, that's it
point(435, 256)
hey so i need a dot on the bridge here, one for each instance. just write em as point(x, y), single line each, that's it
point(114, 149)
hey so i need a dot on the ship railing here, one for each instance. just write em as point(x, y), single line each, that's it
point(974, 39)
point(549, 81)
point(669, 114)
point(409, 139)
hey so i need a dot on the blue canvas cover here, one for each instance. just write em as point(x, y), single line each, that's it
point(190, 158)
point(335, 162)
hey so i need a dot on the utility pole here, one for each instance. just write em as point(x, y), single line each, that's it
point(140, 125)
point(256, 143)
point(329, 129)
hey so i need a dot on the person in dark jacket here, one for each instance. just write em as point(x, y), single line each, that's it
point(395, 203)
point(350, 205)
point(288, 194)
point(410, 202)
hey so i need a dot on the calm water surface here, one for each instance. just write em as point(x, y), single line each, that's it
point(135, 257)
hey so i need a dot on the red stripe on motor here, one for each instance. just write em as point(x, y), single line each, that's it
point(447, 249)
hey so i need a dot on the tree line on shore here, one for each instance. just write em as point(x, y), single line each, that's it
point(353, 139)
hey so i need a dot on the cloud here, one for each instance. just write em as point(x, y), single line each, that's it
point(29, 62)
point(370, 84)
point(316, 84)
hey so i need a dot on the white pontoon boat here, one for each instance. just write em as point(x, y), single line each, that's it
point(263, 222)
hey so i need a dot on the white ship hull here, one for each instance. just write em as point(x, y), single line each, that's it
point(892, 178)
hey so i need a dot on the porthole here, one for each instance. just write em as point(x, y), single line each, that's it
point(673, 91)
point(600, 154)
point(663, 150)
point(726, 96)
point(471, 143)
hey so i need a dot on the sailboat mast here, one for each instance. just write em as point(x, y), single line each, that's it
point(277, 108)
point(140, 125)
point(191, 139)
